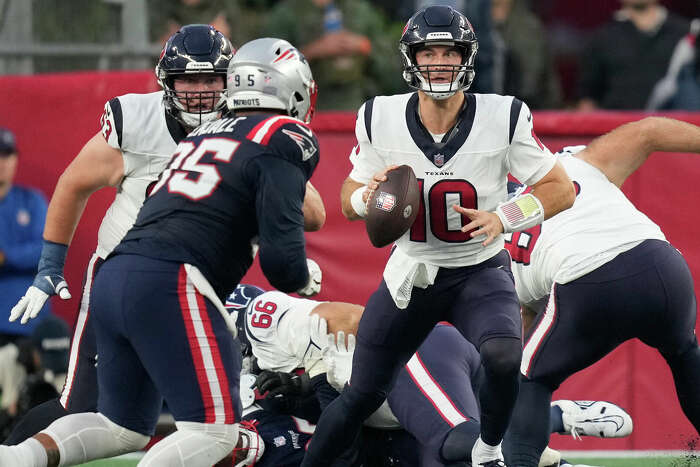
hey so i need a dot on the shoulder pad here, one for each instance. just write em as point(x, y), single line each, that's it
point(280, 131)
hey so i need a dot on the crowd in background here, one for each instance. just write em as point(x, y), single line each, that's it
point(550, 54)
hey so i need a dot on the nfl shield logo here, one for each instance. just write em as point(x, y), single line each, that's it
point(385, 201)
point(439, 159)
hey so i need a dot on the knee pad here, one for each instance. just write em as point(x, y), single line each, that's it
point(86, 436)
point(501, 355)
point(193, 444)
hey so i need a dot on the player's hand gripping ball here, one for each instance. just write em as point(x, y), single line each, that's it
point(392, 207)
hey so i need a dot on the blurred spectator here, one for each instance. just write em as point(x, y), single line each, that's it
point(32, 371)
point(680, 88)
point(629, 55)
point(22, 216)
point(239, 20)
point(479, 14)
point(77, 21)
point(525, 68)
point(345, 41)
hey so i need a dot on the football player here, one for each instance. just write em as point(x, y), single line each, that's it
point(451, 264)
point(139, 134)
point(602, 261)
point(162, 329)
point(434, 398)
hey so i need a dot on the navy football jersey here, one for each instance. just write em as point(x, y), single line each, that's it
point(285, 437)
point(231, 185)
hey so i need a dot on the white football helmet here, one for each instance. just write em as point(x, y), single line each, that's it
point(271, 73)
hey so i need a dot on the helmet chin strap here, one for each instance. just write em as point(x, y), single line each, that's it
point(192, 120)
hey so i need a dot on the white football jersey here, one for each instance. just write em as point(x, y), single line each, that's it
point(135, 124)
point(601, 224)
point(493, 136)
point(278, 328)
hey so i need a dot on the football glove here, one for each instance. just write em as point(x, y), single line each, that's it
point(48, 281)
point(279, 383)
point(314, 285)
point(338, 359)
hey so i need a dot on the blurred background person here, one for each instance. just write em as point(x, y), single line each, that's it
point(345, 41)
point(32, 370)
point(680, 88)
point(628, 55)
point(523, 65)
point(22, 216)
point(239, 20)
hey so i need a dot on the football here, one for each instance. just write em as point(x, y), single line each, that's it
point(393, 207)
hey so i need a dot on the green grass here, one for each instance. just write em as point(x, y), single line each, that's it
point(646, 461)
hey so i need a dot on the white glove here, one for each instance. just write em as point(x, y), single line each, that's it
point(33, 301)
point(338, 359)
point(318, 331)
point(314, 285)
point(313, 357)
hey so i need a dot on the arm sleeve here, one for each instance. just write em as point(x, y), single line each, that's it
point(366, 161)
point(528, 159)
point(278, 205)
point(24, 256)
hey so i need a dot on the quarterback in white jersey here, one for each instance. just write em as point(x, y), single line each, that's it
point(451, 264)
point(605, 273)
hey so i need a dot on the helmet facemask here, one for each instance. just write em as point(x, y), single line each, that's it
point(195, 50)
point(421, 76)
point(192, 108)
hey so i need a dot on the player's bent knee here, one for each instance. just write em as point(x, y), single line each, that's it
point(193, 444)
point(362, 403)
point(501, 355)
point(128, 440)
point(87, 436)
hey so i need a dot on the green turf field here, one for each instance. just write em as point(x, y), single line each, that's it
point(631, 461)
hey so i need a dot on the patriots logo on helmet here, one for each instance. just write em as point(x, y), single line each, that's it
point(304, 141)
point(288, 54)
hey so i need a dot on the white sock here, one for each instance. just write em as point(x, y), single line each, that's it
point(29, 453)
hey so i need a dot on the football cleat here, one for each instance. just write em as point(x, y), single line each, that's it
point(594, 418)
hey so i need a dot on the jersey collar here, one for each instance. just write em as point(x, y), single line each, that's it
point(439, 153)
point(177, 132)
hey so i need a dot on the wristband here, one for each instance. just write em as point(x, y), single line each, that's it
point(53, 257)
point(520, 213)
point(358, 205)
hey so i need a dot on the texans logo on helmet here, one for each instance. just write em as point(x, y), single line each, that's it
point(242, 296)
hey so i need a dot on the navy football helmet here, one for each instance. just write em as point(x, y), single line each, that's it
point(237, 305)
point(194, 49)
point(438, 25)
